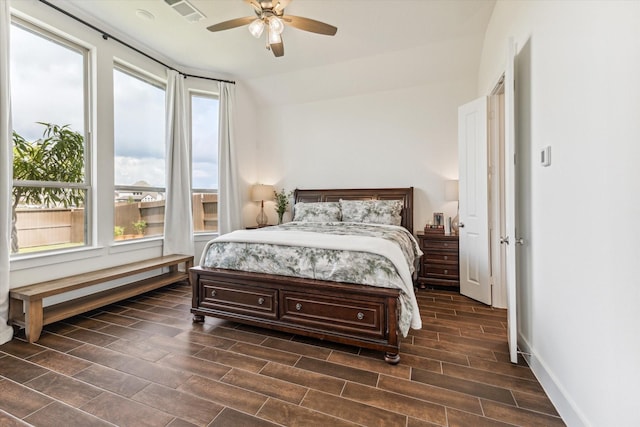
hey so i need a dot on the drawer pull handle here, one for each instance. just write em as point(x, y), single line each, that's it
point(446, 244)
point(260, 301)
point(298, 306)
point(446, 257)
point(360, 315)
point(446, 272)
point(213, 292)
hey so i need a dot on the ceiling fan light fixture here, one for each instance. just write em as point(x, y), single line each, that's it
point(276, 25)
point(270, 14)
point(256, 27)
point(274, 38)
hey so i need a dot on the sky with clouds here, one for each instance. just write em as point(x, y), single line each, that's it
point(46, 85)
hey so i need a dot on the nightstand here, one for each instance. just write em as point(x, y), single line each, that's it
point(439, 265)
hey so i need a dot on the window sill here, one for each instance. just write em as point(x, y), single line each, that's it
point(204, 237)
point(35, 260)
point(135, 244)
point(23, 262)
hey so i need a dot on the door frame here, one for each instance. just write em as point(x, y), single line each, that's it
point(497, 222)
point(503, 210)
point(496, 193)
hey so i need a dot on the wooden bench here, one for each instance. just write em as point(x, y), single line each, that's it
point(25, 303)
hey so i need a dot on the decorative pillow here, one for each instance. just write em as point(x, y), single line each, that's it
point(317, 212)
point(372, 211)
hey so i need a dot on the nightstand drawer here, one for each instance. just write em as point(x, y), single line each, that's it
point(441, 257)
point(444, 283)
point(439, 265)
point(451, 245)
point(442, 271)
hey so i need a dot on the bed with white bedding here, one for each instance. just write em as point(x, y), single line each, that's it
point(341, 271)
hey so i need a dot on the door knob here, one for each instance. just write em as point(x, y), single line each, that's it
point(520, 241)
point(504, 240)
point(461, 225)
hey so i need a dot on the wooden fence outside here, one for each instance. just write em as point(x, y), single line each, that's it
point(58, 226)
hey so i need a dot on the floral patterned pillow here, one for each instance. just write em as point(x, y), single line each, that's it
point(317, 212)
point(372, 211)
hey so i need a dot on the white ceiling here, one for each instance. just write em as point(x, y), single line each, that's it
point(366, 28)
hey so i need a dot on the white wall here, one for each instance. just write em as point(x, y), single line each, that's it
point(578, 71)
point(372, 122)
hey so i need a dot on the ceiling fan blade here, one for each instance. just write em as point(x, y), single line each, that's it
point(255, 4)
point(280, 5)
point(277, 49)
point(311, 25)
point(233, 23)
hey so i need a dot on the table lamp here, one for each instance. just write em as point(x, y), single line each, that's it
point(260, 193)
point(451, 195)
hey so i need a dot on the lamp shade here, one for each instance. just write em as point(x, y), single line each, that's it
point(274, 37)
point(276, 25)
point(256, 27)
point(451, 190)
point(260, 192)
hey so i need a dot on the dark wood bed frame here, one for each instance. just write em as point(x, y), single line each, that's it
point(359, 315)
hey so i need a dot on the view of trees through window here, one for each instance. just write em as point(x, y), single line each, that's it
point(49, 195)
point(140, 158)
point(139, 163)
point(52, 186)
point(204, 169)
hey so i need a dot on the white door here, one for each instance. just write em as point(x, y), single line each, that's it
point(473, 186)
point(510, 240)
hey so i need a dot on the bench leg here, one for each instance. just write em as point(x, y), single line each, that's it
point(16, 312)
point(33, 320)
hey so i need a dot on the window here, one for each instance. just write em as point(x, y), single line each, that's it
point(51, 181)
point(139, 146)
point(204, 167)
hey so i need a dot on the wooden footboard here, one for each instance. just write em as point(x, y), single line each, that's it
point(358, 315)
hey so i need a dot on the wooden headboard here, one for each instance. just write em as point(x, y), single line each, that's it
point(334, 195)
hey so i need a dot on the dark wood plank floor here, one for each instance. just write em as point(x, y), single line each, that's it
point(143, 362)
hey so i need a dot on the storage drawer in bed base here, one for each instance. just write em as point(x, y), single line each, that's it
point(359, 315)
point(348, 316)
point(239, 299)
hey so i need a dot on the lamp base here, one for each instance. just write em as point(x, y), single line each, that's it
point(262, 219)
point(455, 225)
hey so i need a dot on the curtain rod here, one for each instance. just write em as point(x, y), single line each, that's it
point(107, 36)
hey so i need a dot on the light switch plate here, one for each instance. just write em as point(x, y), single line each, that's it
point(545, 156)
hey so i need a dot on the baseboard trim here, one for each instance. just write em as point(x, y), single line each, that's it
point(566, 407)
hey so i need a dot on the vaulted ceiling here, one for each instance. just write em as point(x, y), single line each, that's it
point(401, 29)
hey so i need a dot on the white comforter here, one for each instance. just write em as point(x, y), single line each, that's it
point(226, 250)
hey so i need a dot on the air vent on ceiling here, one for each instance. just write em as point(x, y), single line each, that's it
point(186, 10)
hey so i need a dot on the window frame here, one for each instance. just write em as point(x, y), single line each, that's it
point(147, 77)
point(87, 185)
point(202, 94)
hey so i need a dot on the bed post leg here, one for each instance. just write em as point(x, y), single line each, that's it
point(198, 318)
point(392, 358)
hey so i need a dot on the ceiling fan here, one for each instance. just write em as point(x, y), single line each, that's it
point(270, 16)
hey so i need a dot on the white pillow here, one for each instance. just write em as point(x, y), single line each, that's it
point(372, 211)
point(316, 212)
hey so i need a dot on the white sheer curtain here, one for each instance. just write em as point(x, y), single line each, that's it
point(6, 171)
point(229, 209)
point(178, 222)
